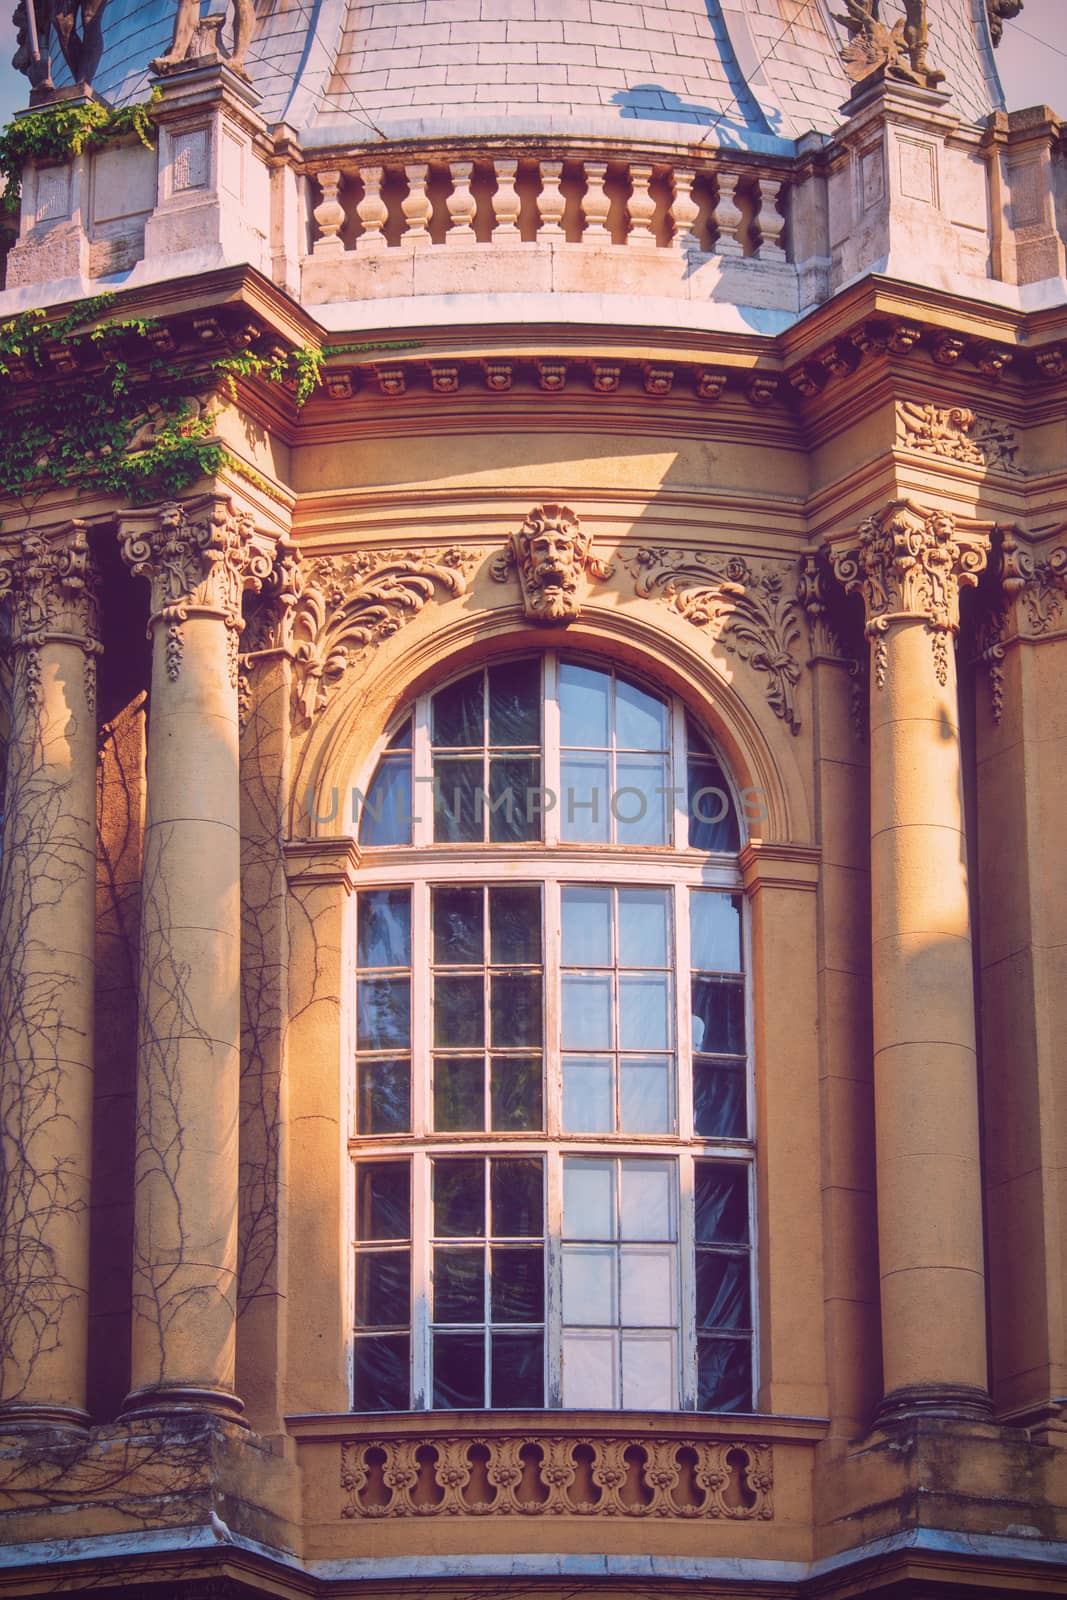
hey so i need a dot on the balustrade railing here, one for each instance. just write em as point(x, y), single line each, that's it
point(411, 205)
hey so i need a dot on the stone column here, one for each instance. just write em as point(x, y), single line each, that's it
point(909, 565)
point(198, 557)
point(47, 932)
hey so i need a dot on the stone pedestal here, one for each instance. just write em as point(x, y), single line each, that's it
point(909, 565)
point(47, 930)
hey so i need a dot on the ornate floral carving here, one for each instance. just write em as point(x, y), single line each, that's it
point(51, 585)
point(911, 563)
point(1037, 583)
point(998, 12)
point(956, 433)
point(328, 611)
point(549, 1475)
point(199, 558)
point(748, 609)
point(814, 596)
point(900, 50)
point(550, 553)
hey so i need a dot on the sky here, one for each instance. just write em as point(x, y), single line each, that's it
point(1032, 59)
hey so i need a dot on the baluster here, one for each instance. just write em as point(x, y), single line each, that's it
point(417, 206)
point(506, 203)
point(728, 217)
point(330, 216)
point(551, 202)
point(372, 211)
point(642, 209)
point(684, 213)
point(596, 204)
point(461, 204)
point(771, 223)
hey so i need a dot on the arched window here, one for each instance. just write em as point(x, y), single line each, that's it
point(552, 1122)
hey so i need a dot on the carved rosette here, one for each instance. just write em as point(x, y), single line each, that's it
point(750, 609)
point(199, 559)
point(551, 555)
point(328, 611)
point(50, 583)
point(550, 1476)
point(910, 564)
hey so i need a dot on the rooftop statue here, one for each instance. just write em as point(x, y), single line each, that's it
point(77, 27)
point(1000, 11)
point(194, 38)
point(901, 50)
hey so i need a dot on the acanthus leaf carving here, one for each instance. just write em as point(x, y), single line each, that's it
point(909, 563)
point(550, 553)
point(957, 434)
point(50, 582)
point(747, 608)
point(550, 1475)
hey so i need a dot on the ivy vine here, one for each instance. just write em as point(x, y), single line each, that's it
point(60, 132)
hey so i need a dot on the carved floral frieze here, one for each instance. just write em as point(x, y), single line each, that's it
point(957, 434)
point(818, 600)
point(546, 1475)
point(910, 563)
point(50, 584)
point(748, 607)
point(551, 555)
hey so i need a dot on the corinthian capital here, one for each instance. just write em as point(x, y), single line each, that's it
point(910, 565)
point(199, 557)
point(51, 585)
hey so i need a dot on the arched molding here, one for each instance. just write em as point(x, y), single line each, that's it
point(343, 746)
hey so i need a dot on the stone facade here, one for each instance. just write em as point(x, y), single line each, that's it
point(760, 438)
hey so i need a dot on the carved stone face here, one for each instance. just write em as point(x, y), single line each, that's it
point(551, 553)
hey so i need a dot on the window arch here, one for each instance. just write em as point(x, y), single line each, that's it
point(552, 1128)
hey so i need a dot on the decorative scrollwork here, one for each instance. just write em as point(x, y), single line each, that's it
point(51, 584)
point(749, 610)
point(548, 1475)
point(957, 434)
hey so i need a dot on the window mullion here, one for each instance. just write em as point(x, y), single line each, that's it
point(553, 1050)
point(687, 1354)
point(554, 1277)
point(422, 767)
point(683, 1012)
point(421, 1260)
point(551, 772)
point(679, 777)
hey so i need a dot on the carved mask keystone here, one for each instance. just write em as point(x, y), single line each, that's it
point(551, 555)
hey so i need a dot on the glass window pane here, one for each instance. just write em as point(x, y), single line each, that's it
point(721, 1203)
point(588, 1199)
point(459, 1285)
point(383, 1200)
point(515, 703)
point(457, 713)
point(458, 1094)
point(517, 1195)
point(585, 793)
point(640, 719)
point(722, 1291)
point(517, 1284)
point(649, 1296)
point(715, 931)
point(382, 1368)
point(515, 1010)
point(515, 926)
point(724, 1375)
point(591, 1371)
point(518, 1376)
point(645, 1095)
point(383, 1288)
point(639, 800)
point(644, 925)
point(720, 1103)
point(712, 818)
point(384, 928)
point(458, 939)
point(719, 1016)
point(457, 810)
point(644, 1011)
point(588, 1099)
point(590, 1285)
point(383, 1102)
point(516, 1091)
point(458, 1371)
point(586, 917)
point(648, 1372)
point(458, 1011)
point(458, 1198)
point(587, 1015)
point(647, 1202)
point(583, 706)
point(383, 1013)
point(515, 803)
point(402, 738)
point(385, 813)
